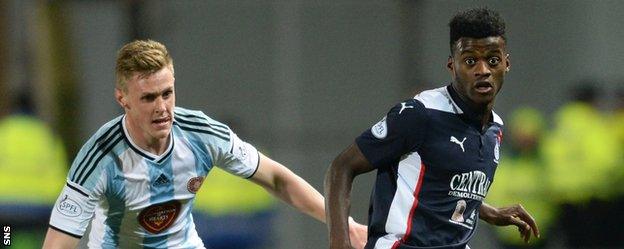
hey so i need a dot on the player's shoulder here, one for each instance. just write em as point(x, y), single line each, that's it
point(438, 99)
point(197, 122)
point(111, 131)
point(88, 163)
point(408, 107)
point(195, 117)
point(191, 115)
point(497, 119)
point(404, 118)
point(112, 126)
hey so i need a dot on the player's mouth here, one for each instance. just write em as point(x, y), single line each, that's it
point(161, 122)
point(484, 87)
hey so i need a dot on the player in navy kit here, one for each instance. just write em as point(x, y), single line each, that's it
point(435, 154)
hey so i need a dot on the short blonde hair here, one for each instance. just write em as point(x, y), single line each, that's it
point(142, 56)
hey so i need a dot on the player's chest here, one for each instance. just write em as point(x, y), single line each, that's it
point(137, 182)
point(457, 147)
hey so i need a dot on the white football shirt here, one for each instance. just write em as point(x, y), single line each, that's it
point(137, 199)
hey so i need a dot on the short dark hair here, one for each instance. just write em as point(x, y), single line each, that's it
point(476, 23)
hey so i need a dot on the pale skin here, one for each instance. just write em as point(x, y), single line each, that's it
point(478, 67)
point(149, 101)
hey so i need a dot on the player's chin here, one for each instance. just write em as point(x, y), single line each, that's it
point(482, 99)
point(162, 133)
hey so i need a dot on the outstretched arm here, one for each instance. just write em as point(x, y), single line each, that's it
point(338, 181)
point(289, 187)
point(58, 240)
point(292, 189)
point(515, 215)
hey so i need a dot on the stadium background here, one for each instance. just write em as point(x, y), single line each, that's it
point(303, 77)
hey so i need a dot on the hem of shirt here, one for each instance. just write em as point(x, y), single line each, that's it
point(66, 232)
point(357, 143)
point(257, 166)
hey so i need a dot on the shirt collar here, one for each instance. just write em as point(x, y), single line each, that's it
point(468, 114)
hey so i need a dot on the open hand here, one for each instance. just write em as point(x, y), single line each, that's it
point(518, 216)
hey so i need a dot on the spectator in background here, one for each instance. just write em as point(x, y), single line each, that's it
point(233, 213)
point(617, 127)
point(582, 153)
point(520, 177)
point(32, 172)
point(616, 204)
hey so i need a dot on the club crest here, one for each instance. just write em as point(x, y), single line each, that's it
point(499, 139)
point(380, 130)
point(194, 184)
point(159, 217)
point(496, 151)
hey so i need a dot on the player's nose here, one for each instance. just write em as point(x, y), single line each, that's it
point(161, 105)
point(482, 69)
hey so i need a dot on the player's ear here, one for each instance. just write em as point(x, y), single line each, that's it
point(120, 96)
point(449, 64)
point(507, 63)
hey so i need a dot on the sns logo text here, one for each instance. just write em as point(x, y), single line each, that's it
point(6, 238)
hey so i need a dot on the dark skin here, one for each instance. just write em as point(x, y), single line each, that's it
point(478, 68)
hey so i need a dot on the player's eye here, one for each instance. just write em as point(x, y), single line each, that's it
point(493, 61)
point(148, 98)
point(167, 94)
point(470, 61)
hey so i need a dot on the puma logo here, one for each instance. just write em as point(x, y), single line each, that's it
point(461, 144)
point(404, 106)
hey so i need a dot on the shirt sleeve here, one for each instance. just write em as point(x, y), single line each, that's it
point(74, 207)
point(401, 131)
point(73, 210)
point(240, 158)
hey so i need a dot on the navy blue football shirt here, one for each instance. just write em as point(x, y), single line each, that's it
point(434, 165)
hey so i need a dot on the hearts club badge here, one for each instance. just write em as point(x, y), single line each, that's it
point(159, 217)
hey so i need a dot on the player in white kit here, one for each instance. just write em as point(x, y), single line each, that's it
point(135, 179)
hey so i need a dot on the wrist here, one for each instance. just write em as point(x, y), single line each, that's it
point(488, 213)
point(339, 244)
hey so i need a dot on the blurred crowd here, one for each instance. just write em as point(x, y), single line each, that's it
point(33, 165)
point(566, 169)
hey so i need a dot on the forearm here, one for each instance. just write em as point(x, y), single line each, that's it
point(57, 240)
point(290, 188)
point(487, 213)
point(296, 192)
point(338, 183)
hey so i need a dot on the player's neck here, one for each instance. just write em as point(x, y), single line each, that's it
point(156, 146)
point(484, 113)
point(481, 112)
point(143, 140)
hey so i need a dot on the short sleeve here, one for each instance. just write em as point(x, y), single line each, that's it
point(73, 210)
point(240, 158)
point(223, 147)
point(75, 205)
point(401, 131)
